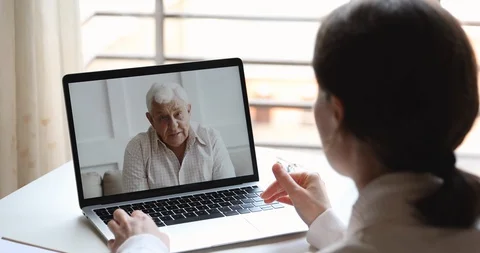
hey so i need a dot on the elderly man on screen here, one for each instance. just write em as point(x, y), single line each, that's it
point(174, 150)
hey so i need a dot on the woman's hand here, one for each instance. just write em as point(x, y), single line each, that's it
point(124, 226)
point(304, 190)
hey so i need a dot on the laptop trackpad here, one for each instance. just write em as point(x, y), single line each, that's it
point(209, 233)
point(282, 221)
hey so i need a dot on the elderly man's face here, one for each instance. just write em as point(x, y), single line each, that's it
point(171, 121)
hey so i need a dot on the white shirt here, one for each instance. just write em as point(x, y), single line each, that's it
point(149, 163)
point(381, 221)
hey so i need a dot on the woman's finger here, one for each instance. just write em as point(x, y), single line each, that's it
point(286, 200)
point(113, 226)
point(110, 243)
point(120, 216)
point(275, 197)
point(138, 213)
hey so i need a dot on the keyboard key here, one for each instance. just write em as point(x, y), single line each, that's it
point(240, 192)
point(219, 200)
point(198, 213)
point(213, 211)
point(183, 205)
point(247, 205)
point(213, 205)
point(251, 195)
point(190, 209)
point(106, 217)
point(239, 197)
point(155, 214)
point(224, 204)
point(255, 209)
point(150, 203)
point(243, 211)
point(276, 206)
point(202, 207)
point(231, 213)
point(172, 203)
point(171, 207)
point(248, 200)
point(149, 211)
point(195, 199)
point(209, 197)
point(229, 194)
point(178, 211)
point(167, 213)
point(228, 198)
point(223, 191)
point(206, 202)
point(162, 201)
point(224, 209)
point(236, 202)
point(149, 206)
point(134, 207)
point(166, 218)
point(125, 206)
point(257, 199)
point(175, 199)
point(112, 209)
point(190, 215)
point(236, 207)
point(196, 203)
point(101, 212)
point(266, 208)
point(259, 203)
point(182, 201)
point(217, 195)
point(178, 216)
point(253, 190)
point(160, 209)
point(196, 218)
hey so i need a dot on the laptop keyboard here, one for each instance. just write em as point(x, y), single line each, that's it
point(216, 204)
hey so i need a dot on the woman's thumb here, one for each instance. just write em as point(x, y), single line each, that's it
point(285, 180)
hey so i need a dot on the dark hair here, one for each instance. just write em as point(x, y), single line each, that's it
point(406, 75)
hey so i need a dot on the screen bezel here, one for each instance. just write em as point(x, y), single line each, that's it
point(153, 70)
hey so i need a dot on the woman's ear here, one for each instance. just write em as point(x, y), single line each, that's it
point(338, 110)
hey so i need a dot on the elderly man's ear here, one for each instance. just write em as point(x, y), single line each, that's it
point(189, 107)
point(149, 117)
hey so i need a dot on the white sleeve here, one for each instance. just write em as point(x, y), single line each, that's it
point(144, 243)
point(325, 230)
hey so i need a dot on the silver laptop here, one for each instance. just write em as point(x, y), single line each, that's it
point(188, 160)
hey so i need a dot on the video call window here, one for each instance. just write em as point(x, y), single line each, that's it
point(154, 131)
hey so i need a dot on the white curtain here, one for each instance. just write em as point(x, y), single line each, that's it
point(40, 42)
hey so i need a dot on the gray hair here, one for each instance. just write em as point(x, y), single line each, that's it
point(164, 93)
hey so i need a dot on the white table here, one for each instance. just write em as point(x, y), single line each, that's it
point(46, 211)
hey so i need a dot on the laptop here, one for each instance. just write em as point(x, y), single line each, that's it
point(122, 161)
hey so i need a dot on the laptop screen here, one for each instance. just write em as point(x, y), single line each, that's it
point(154, 131)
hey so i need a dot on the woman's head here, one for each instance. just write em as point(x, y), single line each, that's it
point(400, 77)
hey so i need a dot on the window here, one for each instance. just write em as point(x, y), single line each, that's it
point(466, 12)
point(127, 33)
